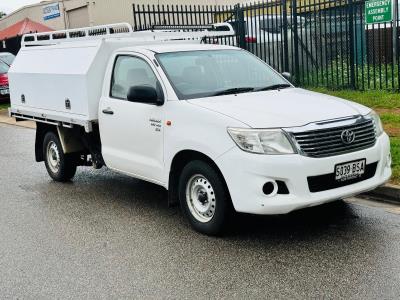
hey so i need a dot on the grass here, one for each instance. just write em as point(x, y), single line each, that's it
point(391, 118)
point(4, 106)
point(395, 145)
point(387, 104)
point(373, 99)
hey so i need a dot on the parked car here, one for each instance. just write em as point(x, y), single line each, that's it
point(7, 57)
point(213, 124)
point(269, 28)
point(4, 89)
point(264, 36)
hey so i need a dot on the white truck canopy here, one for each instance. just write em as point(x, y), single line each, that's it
point(60, 80)
point(57, 77)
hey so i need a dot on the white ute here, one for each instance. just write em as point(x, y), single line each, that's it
point(214, 125)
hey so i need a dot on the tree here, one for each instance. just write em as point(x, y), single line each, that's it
point(2, 14)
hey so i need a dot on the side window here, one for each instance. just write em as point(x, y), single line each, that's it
point(271, 24)
point(130, 71)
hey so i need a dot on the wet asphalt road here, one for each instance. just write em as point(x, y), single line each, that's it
point(109, 236)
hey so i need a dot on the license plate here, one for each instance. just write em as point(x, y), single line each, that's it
point(350, 170)
point(4, 92)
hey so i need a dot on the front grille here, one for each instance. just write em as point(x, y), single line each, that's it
point(328, 141)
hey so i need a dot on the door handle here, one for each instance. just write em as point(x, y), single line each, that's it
point(108, 111)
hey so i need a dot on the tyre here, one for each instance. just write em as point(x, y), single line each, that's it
point(204, 199)
point(61, 167)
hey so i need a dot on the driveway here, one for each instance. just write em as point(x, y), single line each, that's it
point(105, 235)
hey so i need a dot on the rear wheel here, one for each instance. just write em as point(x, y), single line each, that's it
point(61, 167)
point(204, 199)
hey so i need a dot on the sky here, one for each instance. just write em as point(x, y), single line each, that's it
point(10, 5)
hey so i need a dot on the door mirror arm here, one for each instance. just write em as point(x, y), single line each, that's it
point(160, 101)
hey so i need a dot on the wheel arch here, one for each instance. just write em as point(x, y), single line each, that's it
point(69, 141)
point(179, 161)
point(41, 130)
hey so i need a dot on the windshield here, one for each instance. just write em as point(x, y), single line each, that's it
point(3, 67)
point(273, 24)
point(7, 58)
point(197, 74)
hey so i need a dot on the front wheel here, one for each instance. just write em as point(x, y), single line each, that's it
point(61, 167)
point(204, 199)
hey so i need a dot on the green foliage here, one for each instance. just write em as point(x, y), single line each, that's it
point(336, 75)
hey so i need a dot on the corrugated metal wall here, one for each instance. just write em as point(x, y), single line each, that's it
point(99, 11)
point(105, 11)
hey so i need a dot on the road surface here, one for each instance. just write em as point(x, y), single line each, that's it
point(105, 235)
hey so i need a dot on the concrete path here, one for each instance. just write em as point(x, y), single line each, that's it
point(4, 118)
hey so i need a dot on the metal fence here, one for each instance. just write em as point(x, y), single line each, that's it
point(321, 42)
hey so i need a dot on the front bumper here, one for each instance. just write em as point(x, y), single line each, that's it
point(246, 173)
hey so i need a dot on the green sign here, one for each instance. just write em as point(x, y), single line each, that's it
point(378, 11)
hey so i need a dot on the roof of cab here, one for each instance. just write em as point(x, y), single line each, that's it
point(178, 47)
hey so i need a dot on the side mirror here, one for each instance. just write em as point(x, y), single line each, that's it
point(287, 76)
point(144, 94)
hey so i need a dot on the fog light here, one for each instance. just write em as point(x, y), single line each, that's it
point(270, 188)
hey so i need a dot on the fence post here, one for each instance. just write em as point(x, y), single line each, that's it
point(397, 49)
point(241, 31)
point(296, 42)
point(285, 36)
point(134, 18)
point(394, 30)
point(351, 43)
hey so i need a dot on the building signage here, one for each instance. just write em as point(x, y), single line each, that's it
point(51, 11)
point(378, 11)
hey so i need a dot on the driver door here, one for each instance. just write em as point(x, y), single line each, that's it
point(132, 132)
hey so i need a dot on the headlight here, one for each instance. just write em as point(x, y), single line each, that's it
point(262, 141)
point(377, 122)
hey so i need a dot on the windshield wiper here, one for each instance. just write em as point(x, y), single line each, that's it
point(274, 87)
point(234, 91)
point(3, 61)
